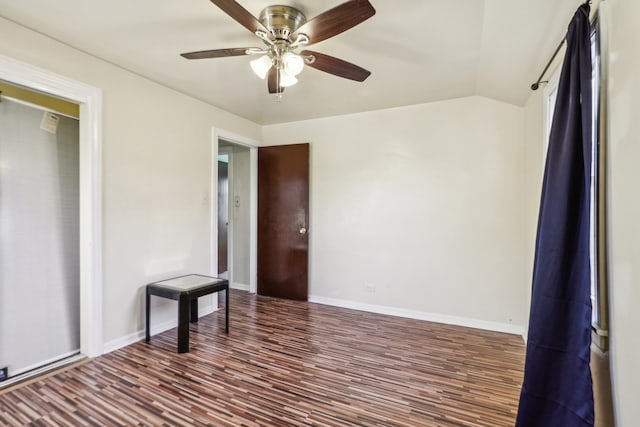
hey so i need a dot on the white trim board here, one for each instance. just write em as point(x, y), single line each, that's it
point(421, 315)
point(239, 286)
point(133, 338)
point(354, 305)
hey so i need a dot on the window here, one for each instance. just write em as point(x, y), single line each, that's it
point(599, 292)
point(598, 279)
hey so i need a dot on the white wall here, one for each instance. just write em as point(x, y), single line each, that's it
point(422, 202)
point(624, 205)
point(156, 175)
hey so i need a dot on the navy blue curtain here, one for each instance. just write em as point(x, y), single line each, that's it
point(557, 388)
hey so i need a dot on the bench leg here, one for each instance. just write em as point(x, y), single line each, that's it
point(183, 324)
point(194, 310)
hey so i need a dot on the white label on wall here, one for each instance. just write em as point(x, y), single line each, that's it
point(49, 122)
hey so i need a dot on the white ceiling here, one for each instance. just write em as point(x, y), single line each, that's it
point(417, 50)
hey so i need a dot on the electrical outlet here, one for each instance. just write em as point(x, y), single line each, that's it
point(369, 287)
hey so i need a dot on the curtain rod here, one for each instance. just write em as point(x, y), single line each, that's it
point(536, 85)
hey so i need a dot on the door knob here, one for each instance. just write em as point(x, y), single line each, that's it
point(303, 230)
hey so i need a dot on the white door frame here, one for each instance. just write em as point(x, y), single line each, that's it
point(89, 99)
point(252, 145)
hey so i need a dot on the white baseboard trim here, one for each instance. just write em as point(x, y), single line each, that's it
point(239, 286)
point(126, 340)
point(421, 315)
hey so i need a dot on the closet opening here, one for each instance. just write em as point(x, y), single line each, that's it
point(39, 231)
point(53, 233)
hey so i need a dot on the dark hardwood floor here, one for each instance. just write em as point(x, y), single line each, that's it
point(288, 363)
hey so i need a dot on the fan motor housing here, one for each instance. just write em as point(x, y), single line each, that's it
point(281, 21)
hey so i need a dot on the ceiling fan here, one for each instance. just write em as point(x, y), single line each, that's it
point(284, 29)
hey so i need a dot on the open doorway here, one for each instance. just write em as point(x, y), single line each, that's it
point(234, 213)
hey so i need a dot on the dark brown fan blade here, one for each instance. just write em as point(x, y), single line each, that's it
point(272, 81)
point(215, 53)
point(335, 21)
point(240, 14)
point(336, 66)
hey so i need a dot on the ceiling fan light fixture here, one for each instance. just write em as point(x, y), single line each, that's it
point(293, 63)
point(286, 79)
point(261, 66)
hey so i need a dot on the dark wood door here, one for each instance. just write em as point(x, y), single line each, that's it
point(283, 218)
point(223, 215)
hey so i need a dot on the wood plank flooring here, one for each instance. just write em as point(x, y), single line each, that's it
point(288, 363)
